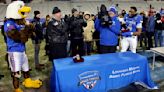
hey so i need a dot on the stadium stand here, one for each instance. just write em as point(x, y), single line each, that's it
point(91, 5)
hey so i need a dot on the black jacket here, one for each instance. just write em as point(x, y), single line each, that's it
point(76, 27)
point(38, 30)
point(158, 26)
point(145, 19)
point(57, 31)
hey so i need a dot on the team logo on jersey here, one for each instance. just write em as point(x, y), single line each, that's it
point(89, 79)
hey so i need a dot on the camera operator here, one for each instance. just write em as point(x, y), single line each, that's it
point(109, 26)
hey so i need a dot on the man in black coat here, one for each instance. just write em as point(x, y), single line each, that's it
point(57, 36)
point(76, 31)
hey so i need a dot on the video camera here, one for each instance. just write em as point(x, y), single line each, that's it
point(105, 19)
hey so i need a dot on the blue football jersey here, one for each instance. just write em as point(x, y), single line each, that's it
point(133, 23)
point(13, 46)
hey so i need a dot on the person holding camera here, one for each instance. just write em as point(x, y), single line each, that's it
point(109, 26)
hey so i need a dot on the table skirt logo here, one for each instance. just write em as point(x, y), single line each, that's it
point(89, 79)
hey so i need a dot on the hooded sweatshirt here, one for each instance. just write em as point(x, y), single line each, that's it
point(89, 29)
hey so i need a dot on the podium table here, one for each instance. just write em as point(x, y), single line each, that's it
point(100, 73)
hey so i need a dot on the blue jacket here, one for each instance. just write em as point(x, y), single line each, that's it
point(108, 35)
point(13, 46)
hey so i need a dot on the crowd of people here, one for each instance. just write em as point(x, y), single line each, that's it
point(152, 31)
point(83, 33)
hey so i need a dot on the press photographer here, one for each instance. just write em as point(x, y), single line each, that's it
point(109, 26)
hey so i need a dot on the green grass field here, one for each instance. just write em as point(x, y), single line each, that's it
point(6, 82)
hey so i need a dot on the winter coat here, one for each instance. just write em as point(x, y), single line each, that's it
point(88, 30)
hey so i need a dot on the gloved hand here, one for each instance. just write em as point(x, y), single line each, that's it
point(124, 26)
point(110, 22)
point(127, 34)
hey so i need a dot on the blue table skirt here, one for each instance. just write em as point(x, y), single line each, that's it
point(100, 73)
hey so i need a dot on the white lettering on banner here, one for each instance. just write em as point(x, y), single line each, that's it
point(133, 68)
point(114, 76)
point(124, 72)
point(89, 76)
point(119, 71)
point(136, 71)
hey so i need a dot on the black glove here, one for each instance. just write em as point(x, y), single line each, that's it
point(84, 24)
point(124, 26)
point(106, 21)
point(110, 22)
